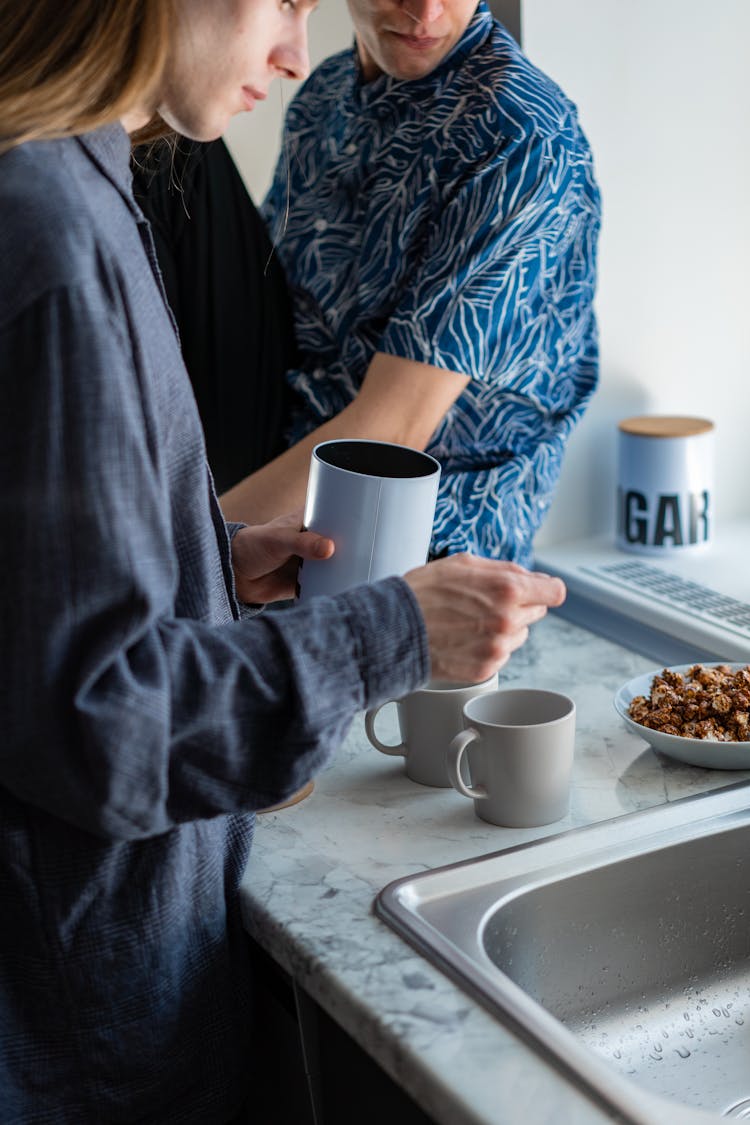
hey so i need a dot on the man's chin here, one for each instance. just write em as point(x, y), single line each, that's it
point(412, 69)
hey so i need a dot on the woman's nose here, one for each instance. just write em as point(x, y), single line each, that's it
point(291, 58)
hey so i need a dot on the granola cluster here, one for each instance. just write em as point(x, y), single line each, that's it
point(709, 703)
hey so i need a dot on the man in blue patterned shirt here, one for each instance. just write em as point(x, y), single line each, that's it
point(440, 246)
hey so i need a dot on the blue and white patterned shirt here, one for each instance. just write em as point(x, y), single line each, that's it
point(450, 220)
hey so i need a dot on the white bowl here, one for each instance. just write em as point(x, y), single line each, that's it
point(692, 751)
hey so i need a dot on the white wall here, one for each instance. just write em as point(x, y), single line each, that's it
point(254, 138)
point(665, 99)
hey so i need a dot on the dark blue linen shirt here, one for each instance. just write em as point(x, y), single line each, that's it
point(451, 220)
point(142, 719)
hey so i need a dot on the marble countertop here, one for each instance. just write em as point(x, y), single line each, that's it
point(316, 868)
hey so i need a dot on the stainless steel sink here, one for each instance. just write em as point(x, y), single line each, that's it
point(622, 949)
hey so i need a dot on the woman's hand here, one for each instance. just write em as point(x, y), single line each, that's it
point(478, 611)
point(266, 557)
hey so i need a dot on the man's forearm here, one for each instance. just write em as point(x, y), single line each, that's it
point(281, 485)
point(277, 488)
point(400, 401)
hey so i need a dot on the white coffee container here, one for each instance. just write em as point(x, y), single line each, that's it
point(665, 481)
point(376, 501)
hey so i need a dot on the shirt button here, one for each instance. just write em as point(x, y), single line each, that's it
point(350, 149)
point(320, 225)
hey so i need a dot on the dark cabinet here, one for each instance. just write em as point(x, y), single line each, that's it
point(309, 1070)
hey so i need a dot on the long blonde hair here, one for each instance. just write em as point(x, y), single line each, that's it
point(69, 66)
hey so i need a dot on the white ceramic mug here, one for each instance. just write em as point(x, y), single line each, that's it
point(520, 744)
point(428, 718)
point(376, 501)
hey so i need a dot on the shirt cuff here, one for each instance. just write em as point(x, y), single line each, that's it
point(233, 528)
point(390, 638)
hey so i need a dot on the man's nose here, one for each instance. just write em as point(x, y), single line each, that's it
point(423, 11)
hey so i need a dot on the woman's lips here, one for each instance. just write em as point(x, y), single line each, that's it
point(251, 96)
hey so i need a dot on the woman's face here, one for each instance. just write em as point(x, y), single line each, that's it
point(225, 56)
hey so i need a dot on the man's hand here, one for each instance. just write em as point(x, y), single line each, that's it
point(478, 611)
point(266, 558)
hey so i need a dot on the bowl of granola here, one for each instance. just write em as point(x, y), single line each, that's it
point(696, 713)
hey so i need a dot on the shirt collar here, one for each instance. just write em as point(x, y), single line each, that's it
point(110, 148)
point(479, 27)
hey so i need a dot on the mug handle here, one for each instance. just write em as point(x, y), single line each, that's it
point(395, 751)
point(456, 751)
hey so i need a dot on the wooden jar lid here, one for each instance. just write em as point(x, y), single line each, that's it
point(665, 426)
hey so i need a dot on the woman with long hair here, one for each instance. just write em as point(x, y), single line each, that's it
point(144, 718)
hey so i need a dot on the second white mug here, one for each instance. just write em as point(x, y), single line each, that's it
point(520, 744)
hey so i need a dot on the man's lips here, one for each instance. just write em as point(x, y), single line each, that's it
point(418, 42)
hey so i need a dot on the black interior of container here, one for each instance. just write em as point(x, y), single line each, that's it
point(376, 459)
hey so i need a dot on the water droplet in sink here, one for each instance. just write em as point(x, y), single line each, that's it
point(683, 1052)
